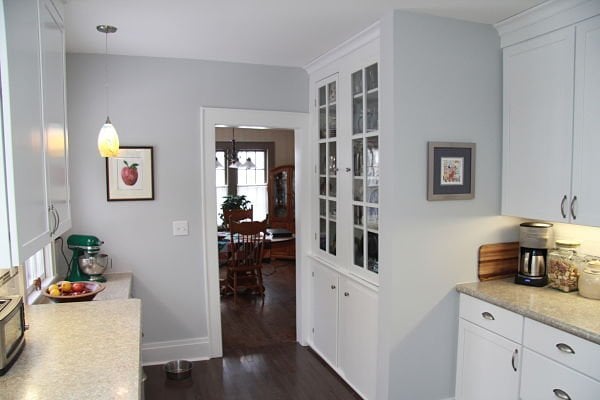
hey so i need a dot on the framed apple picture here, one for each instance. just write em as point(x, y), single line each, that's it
point(129, 176)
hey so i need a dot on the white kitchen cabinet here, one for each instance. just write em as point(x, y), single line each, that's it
point(344, 320)
point(33, 109)
point(551, 89)
point(488, 363)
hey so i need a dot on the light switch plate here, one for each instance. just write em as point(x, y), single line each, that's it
point(180, 228)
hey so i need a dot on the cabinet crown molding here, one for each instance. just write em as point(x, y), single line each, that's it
point(544, 18)
point(360, 39)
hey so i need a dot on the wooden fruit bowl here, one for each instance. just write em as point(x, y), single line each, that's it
point(93, 289)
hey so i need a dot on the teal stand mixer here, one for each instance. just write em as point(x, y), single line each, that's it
point(86, 264)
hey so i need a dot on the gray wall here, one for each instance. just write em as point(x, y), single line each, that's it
point(441, 81)
point(157, 102)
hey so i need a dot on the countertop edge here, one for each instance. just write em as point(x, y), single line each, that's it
point(527, 312)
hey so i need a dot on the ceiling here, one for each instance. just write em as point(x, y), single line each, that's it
point(272, 32)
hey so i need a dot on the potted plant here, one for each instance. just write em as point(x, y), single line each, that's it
point(233, 202)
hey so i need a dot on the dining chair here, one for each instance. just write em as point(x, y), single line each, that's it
point(237, 215)
point(244, 268)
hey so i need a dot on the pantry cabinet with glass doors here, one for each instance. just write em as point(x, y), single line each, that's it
point(344, 257)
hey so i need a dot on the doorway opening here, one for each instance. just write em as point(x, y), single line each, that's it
point(298, 123)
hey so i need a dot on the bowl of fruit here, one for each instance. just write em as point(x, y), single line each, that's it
point(68, 292)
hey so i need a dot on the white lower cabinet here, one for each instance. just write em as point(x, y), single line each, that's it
point(344, 326)
point(542, 363)
point(488, 364)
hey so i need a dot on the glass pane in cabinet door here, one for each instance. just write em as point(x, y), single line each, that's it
point(322, 123)
point(322, 97)
point(373, 218)
point(322, 158)
point(373, 161)
point(332, 238)
point(357, 189)
point(372, 112)
point(359, 248)
point(322, 233)
point(357, 82)
point(357, 157)
point(373, 252)
point(332, 187)
point(332, 120)
point(323, 186)
point(371, 77)
point(332, 210)
point(322, 205)
point(357, 115)
point(358, 215)
point(332, 159)
point(331, 92)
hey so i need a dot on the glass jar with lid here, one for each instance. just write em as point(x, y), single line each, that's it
point(589, 281)
point(564, 264)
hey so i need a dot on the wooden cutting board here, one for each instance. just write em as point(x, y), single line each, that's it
point(498, 260)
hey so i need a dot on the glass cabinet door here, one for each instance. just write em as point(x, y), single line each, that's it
point(365, 167)
point(327, 139)
point(280, 195)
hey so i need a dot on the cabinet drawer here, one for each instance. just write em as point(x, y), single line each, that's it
point(572, 351)
point(544, 379)
point(496, 319)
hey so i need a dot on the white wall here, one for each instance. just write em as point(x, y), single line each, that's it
point(157, 102)
point(441, 81)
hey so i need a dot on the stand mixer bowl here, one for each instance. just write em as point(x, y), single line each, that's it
point(94, 265)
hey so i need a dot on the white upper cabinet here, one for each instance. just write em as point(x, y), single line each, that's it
point(551, 108)
point(586, 191)
point(34, 127)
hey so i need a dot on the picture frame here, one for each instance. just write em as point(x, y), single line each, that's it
point(130, 175)
point(450, 171)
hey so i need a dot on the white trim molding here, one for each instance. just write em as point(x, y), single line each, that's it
point(544, 18)
point(195, 349)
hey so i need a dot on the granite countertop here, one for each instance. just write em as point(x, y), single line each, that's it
point(88, 350)
point(569, 312)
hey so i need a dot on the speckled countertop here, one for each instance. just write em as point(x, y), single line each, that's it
point(88, 350)
point(567, 311)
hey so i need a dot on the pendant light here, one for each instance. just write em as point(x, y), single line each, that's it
point(108, 140)
point(231, 157)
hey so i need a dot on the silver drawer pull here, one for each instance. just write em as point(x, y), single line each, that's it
point(488, 316)
point(561, 394)
point(565, 348)
point(332, 286)
point(514, 359)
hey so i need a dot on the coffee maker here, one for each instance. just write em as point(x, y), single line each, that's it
point(81, 245)
point(535, 239)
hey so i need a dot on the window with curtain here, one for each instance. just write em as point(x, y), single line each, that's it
point(242, 181)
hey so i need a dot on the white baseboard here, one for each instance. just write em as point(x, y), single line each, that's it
point(195, 349)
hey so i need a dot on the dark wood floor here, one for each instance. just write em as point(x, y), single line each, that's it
point(261, 359)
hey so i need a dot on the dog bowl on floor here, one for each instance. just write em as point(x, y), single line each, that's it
point(178, 370)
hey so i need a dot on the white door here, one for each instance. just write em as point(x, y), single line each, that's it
point(538, 119)
point(53, 80)
point(586, 191)
point(358, 336)
point(487, 365)
point(325, 311)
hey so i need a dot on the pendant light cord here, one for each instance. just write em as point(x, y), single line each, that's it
point(106, 71)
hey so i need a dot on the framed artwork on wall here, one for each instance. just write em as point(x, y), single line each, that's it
point(130, 175)
point(450, 171)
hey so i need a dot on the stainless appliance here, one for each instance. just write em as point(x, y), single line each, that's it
point(12, 331)
point(535, 238)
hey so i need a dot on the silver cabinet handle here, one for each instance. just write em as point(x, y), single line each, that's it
point(348, 169)
point(55, 224)
point(514, 359)
point(565, 348)
point(562, 206)
point(346, 294)
point(332, 287)
point(561, 394)
point(488, 316)
point(573, 207)
point(57, 220)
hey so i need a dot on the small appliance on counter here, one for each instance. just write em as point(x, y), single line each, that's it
point(12, 331)
point(535, 238)
point(86, 262)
